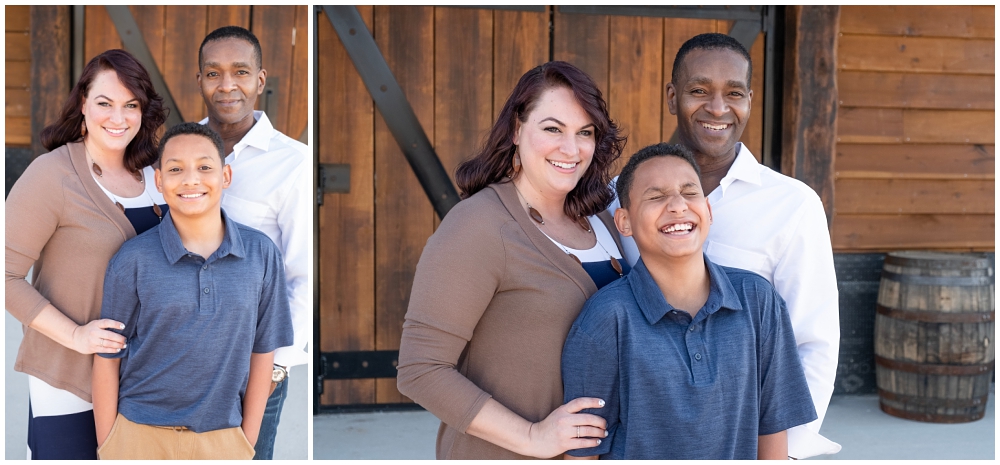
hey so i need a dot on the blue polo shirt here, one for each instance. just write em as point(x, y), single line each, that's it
point(192, 323)
point(683, 388)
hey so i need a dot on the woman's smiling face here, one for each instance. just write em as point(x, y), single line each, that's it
point(556, 143)
point(111, 112)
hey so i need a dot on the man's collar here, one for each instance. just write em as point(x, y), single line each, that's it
point(259, 135)
point(744, 168)
point(173, 247)
point(654, 306)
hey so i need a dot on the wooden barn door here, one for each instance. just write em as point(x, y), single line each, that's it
point(456, 67)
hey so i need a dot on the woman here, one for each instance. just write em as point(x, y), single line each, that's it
point(67, 215)
point(500, 282)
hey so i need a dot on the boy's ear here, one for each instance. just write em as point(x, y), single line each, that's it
point(227, 176)
point(622, 222)
point(158, 178)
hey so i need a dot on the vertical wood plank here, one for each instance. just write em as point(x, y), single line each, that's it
point(151, 24)
point(346, 278)
point(227, 15)
point(583, 40)
point(521, 42)
point(273, 27)
point(99, 33)
point(186, 26)
point(753, 133)
point(636, 92)
point(676, 32)
point(50, 81)
point(298, 99)
point(810, 108)
point(463, 83)
point(403, 216)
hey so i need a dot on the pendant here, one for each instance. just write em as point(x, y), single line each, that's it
point(159, 213)
point(582, 221)
point(138, 177)
point(617, 266)
point(97, 170)
point(120, 206)
point(575, 258)
point(535, 215)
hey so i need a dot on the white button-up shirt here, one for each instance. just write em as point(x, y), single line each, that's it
point(272, 190)
point(775, 226)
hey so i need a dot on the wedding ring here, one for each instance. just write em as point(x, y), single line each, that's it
point(578, 432)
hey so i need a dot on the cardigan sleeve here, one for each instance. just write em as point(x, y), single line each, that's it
point(460, 270)
point(33, 211)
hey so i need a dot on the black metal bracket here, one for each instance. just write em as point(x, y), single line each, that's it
point(358, 365)
point(269, 100)
point(393, 106)
point(135, 44)
point(333, 178)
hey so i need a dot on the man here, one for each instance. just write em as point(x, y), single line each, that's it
point(202, 300)
point(271, 189)
point(694, 360)
point(765, 222)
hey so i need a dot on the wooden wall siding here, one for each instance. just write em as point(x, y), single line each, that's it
point(915, 144)
point(456, 66)
point(17, 72)
point(345, 130)
point(174, 33)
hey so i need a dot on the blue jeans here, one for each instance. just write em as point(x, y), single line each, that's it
point(269, 425)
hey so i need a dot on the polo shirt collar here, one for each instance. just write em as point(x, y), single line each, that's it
point(654, 306)
point(259, 136)
point(745, 168)
point(170, 240)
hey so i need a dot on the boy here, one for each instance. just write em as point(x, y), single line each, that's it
point(695, 360)
point(204, 306)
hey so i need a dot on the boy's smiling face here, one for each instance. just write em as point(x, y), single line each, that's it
point(668, 215)
point(192, 176)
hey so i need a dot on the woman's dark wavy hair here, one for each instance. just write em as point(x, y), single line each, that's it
point(492, 163)
point(139, 153)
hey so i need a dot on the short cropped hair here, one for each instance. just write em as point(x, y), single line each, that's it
point(711, 41)
point(231, 32)
point(194, 129)
point(663, 149)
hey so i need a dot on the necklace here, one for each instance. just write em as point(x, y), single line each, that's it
point(138, 177)
point(582, 221)
point(537, 217)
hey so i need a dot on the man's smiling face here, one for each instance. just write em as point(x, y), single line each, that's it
point(230, 79)
point(711, 99)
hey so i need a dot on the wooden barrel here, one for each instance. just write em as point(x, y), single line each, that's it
point(934, 345)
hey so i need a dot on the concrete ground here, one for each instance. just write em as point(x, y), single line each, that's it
point(855, 422)
point(291, 442)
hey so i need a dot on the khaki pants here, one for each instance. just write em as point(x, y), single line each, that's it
point(132, 441)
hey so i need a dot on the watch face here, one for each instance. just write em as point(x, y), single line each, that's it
point(278, 375)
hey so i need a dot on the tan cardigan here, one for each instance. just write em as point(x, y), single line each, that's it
point(492, 301)
point(59, 220)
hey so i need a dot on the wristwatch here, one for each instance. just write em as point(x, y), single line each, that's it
point(279, 374)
